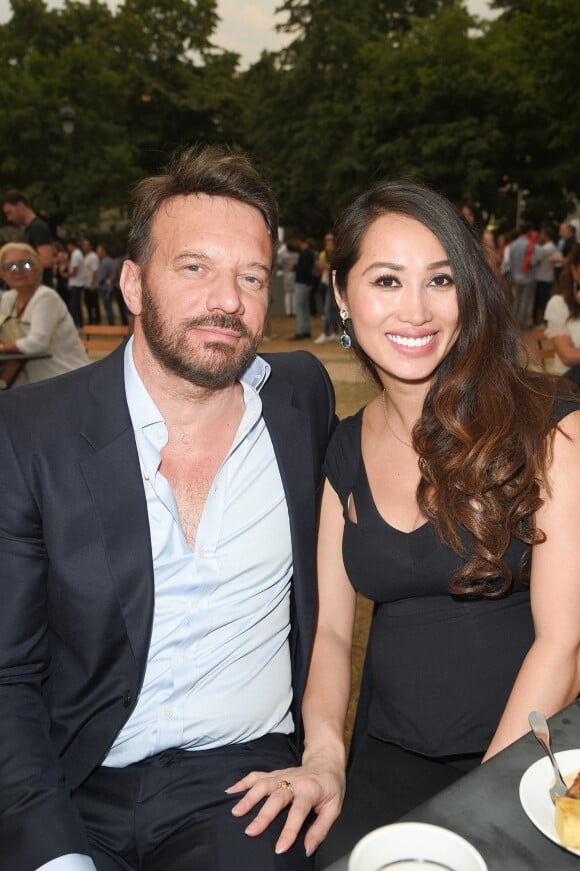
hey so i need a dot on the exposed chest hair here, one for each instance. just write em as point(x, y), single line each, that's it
point(190, 471)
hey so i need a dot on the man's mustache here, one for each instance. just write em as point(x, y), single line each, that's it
point(222, 322)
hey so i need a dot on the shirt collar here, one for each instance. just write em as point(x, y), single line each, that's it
point(256, 374)
point(143, 410)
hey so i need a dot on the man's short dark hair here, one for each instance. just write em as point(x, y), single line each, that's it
point(15, 197)
point(213, 170)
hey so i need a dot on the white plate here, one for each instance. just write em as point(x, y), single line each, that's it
point(534, 794)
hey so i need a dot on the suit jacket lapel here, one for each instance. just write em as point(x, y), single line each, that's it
point(290, 432)
point(113, 475)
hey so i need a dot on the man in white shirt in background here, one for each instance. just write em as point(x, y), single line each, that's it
point(521, 257)
point(77, 279)
point(546, 250)
point(91, 292)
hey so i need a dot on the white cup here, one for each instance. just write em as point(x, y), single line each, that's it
point(414, 847)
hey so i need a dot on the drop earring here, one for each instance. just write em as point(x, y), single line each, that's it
point(345, 339)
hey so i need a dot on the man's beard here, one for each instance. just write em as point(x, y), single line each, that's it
point(213, 365)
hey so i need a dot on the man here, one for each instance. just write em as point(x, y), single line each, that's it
point(105, 281)
point(330, 330)
point(567, 240)
point(304, 280)
point(119, 257)
point(77, 279)
point(91, 272)
point(521, 257)
point(91, 292)
point(544, 270)
point(566, 245)
point(37, 233)
point(157, 537)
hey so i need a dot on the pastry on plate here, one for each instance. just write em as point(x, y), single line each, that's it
point(568, 815)
point(573, 790)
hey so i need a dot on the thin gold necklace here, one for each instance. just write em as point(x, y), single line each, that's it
point(399, 439)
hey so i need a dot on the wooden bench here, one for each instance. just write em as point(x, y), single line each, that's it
point(543, 347)
point(102, 337)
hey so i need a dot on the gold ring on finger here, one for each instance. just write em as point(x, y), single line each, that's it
point(285, 784)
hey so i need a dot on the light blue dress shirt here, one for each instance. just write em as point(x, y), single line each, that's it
point(218, 670)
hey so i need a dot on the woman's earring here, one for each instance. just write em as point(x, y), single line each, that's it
point(345, 339)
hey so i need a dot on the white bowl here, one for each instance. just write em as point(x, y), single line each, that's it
point(421, 844)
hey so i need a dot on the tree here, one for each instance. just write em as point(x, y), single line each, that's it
point(425, 109)
point(141, 80)
point(309, 94)
point(369, 89)
point(532, 53)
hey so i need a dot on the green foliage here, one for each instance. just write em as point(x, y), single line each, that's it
point(141, 81)
point(371, 89)
point(365, 89)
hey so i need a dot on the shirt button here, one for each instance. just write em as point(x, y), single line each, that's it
point(202, 552)
point(169, 713)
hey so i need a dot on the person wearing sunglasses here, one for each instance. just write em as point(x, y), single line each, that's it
point(43, 322)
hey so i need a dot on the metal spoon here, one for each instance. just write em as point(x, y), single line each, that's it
point(540, 729)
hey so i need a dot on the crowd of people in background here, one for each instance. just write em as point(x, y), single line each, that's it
point(534, 267)
point(87, 278)
point(533, 263)
point(299, 256)
point(542, 277)
point(84, 273)
point(34, 320)
point(49, 289)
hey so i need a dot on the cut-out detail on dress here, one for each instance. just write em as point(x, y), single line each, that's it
point(351, 509)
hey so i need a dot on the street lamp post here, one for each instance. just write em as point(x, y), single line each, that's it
point(68, 119)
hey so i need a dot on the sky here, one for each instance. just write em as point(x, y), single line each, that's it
point(247, 26)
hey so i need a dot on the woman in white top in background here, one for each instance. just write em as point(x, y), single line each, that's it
point(46, 322)
point(563, 321)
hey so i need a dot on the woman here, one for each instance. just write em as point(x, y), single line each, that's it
point(562, 315)
point(474, 216)
point(330, 330)
point(436, 494)
point(46, 323)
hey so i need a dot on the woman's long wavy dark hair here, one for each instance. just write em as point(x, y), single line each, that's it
point(483, 438)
